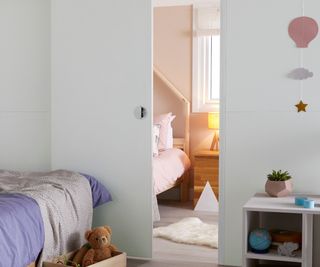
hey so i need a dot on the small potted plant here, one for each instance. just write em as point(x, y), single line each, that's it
point(279, 184)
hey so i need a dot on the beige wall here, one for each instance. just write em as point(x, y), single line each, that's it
point(166, 101)
point(173, 56)
point(173, 45)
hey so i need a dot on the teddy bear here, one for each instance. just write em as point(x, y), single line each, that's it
point(101, 248)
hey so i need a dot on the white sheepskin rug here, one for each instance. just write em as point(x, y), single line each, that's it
point(190, 231)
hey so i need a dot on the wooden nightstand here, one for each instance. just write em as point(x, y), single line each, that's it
point(206, 168)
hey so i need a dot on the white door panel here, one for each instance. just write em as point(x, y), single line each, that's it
point(101, 70)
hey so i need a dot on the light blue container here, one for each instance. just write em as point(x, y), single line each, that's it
point(299, 201)
point(308, 204)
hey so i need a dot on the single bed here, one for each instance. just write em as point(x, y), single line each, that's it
point(171, 166)
point(170, 169)
point(34, 209)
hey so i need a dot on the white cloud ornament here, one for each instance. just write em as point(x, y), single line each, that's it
point(300, 74)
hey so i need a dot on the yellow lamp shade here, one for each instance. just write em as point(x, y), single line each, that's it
point(213, 120)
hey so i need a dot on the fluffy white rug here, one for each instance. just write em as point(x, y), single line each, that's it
point(190, 231)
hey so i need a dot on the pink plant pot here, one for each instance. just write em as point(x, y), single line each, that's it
point(279, 188)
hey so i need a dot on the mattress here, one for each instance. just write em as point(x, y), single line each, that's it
point(22, 227)
point(168, 167)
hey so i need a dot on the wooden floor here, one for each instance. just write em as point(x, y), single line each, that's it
point(168, 263)
point(171, 254)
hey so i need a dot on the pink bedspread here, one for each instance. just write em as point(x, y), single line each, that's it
point(168, 167)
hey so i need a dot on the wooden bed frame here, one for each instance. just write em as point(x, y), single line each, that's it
point(32, 265)
point(183, 181)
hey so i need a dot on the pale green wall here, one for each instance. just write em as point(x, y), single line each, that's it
point(263, 130)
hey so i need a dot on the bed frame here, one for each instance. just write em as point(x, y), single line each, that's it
point(183, 181)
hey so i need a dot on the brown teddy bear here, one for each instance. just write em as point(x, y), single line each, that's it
point(101, 248)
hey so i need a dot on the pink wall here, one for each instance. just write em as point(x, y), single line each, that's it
point(173, 45)
point(165, 101)
point(173, 56)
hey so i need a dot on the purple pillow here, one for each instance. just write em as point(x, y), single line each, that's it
point(100, 194)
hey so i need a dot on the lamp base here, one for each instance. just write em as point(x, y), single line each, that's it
point(215, 142)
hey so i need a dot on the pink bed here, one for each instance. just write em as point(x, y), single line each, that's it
point(168, 167)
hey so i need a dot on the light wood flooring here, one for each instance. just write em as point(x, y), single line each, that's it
point(168, 263)
point(171, 254)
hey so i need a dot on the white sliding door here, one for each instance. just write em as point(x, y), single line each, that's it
point(101, 71)
point(25, 85)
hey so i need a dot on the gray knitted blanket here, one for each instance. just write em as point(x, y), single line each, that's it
point(65, 203)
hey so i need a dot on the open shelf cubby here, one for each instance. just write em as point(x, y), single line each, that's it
point(272, 221)
point(262, 211)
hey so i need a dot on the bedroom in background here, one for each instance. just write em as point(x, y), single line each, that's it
point(186, 89)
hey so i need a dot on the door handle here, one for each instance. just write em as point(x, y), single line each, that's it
point(140, 112)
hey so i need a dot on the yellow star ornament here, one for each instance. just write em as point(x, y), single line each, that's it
point(301, 106)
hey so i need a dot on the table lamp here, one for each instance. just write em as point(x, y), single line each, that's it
point(213, 123)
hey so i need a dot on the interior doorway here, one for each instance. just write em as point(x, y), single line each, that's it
point(186, 107)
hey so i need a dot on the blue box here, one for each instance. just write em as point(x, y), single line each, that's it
point(299, 201)
point(308, 204)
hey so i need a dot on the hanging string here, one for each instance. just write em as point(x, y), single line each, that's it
point(301, 51)
point(301, 90)
point(301, 66)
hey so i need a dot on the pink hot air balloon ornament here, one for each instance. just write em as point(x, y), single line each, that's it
point(303, 30)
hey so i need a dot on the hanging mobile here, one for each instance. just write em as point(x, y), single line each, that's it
point(302, 30)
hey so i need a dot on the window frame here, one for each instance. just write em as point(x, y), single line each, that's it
point(201, 102)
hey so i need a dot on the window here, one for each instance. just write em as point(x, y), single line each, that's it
point(206, 61)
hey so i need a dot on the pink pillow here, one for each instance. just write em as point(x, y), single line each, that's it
point(166, 136)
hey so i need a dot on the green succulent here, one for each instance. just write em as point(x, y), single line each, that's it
point(279, 176)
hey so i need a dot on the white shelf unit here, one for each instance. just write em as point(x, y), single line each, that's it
point(273, 256)
point(262, 211)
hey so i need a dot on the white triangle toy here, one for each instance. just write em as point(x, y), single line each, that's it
point(207, 200)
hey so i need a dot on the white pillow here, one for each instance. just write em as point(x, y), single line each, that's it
point(155, 139)
point(166, 135)
point(170, 133)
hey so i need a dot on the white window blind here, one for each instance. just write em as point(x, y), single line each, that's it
point(206, 59)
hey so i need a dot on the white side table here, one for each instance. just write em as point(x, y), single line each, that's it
point(262, 211)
